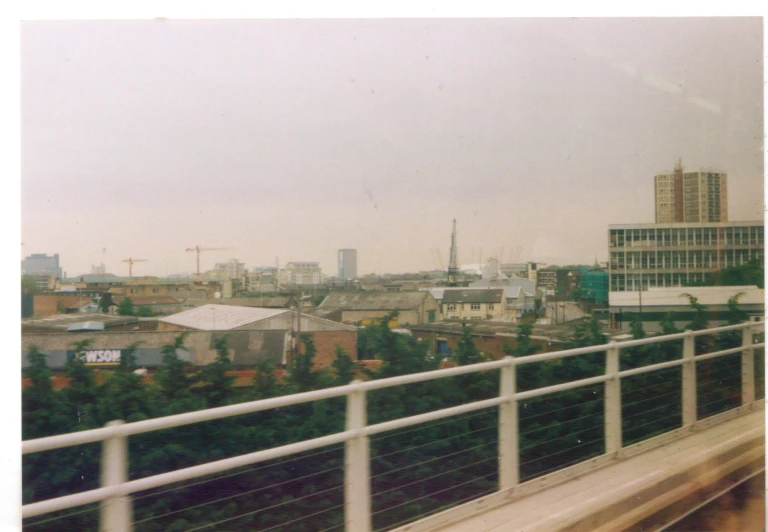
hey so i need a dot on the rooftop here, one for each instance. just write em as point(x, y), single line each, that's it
point(473, 295)
point(220, 317)
point(63, 321)
point(373, 300)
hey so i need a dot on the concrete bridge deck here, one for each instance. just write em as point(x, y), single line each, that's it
point(642, 490)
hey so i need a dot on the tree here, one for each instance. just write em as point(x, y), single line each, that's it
point(105, 302)
point(300, 370)
point(344, 366)
point(81, 392)
point(265, 383)
point(749, 274)
point(144, 311)
point(217, 384)
point(636, 327)
point(123, 395)
point(466, 350)
point(172, 379)
point(125, 308)
point(28, 283)
point(699, 321)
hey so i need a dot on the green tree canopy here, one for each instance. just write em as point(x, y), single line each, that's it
point(125, 308)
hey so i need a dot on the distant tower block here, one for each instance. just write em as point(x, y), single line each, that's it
point(347, 263)
point(691, 196)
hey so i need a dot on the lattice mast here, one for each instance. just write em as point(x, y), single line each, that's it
point(453, 264)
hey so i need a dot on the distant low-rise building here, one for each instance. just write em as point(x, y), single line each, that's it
point(41, 264)
point(301, 273)
point(283, 326)
point(473, 303)
point(361, 307)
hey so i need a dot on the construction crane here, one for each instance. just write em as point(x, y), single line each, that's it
point(198, 249)
point(130, 262)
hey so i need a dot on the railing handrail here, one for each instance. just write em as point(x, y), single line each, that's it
point(355, 392)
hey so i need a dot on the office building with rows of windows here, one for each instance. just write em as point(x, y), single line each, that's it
point(678, 254)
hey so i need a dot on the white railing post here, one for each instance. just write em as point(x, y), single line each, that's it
point(747, 367)
point(509, 458)
point(357, 473)
point(613, 437)
point(689, 380)
point(116, 513)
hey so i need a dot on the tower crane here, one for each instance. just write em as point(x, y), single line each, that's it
point(130, 262)
point(198, 249)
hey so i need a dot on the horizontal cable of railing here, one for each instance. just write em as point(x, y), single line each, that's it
point(99, 494)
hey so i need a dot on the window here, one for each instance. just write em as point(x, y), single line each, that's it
point(490, 306)
point(451, 307)
point(474, 306)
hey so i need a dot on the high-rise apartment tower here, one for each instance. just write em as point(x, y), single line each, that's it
point(692, 196)
point(347, 263)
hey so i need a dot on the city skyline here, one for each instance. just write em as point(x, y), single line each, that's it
point(291, 139)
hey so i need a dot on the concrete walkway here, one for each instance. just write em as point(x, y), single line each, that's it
point(636, 493)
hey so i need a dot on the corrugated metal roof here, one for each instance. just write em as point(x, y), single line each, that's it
point(63, 321)
point(220, 317)
point(472, 295)
point(374, 300)
point(86, 326)
point(674, 296)
point(528, 287)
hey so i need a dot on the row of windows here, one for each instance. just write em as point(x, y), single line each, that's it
point(629, 282)
point(662, 260)
point(699, 236)
point(154, 290)
point(472, 306)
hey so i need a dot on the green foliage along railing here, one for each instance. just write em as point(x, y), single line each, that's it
point(425, 466)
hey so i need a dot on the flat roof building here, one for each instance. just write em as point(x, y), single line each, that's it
point(41, 264)
point(679, 254)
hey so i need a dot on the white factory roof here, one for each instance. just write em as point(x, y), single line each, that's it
point(671, 296)
point(221, 317)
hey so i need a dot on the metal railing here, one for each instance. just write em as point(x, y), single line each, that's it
point(115, 491)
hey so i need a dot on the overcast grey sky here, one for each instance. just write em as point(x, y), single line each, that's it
point(293, 138)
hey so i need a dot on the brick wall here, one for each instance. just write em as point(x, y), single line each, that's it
point(489, 344)
point(326, 342)
point(49, 304)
